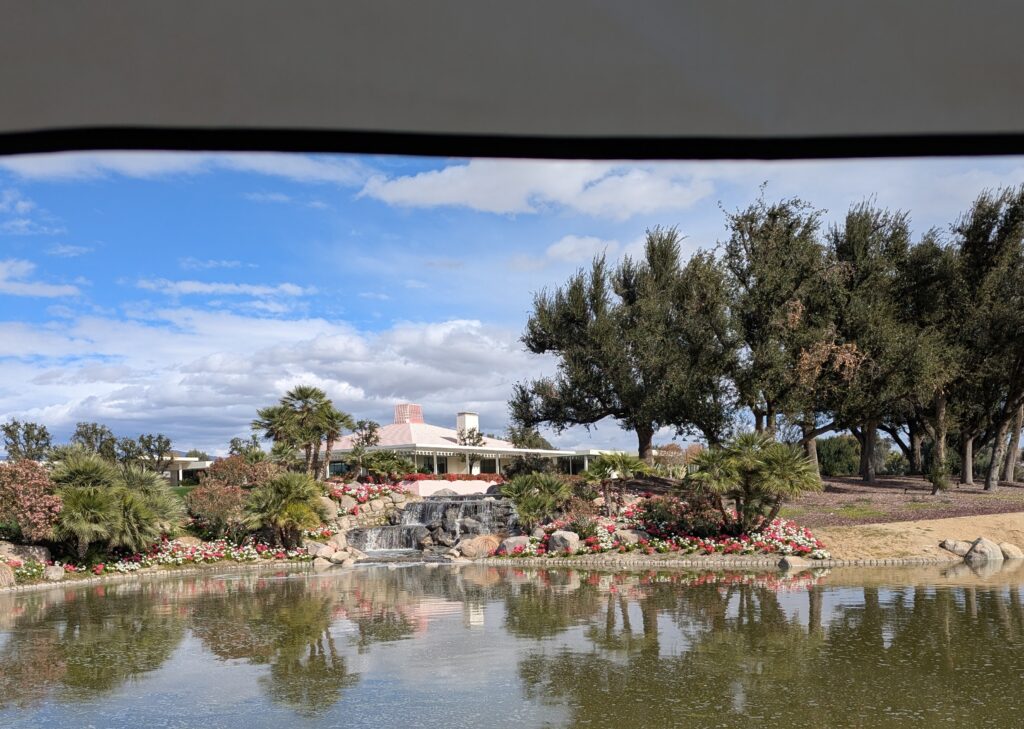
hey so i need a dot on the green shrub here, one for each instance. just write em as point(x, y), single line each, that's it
point(284, 506)
point(538, 497)
point(838, 455)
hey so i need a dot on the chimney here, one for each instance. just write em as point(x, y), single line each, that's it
point(408, 412)
point(467, 421)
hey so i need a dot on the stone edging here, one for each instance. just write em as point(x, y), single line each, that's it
point(714, 564)
point(154, 572)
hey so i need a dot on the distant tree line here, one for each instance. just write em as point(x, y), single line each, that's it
point(799, 330)
point(25, 440)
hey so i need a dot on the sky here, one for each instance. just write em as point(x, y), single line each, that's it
point(177, 293)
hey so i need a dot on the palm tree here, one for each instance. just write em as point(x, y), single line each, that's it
point(168, 511)
point(308, 404)
point(611, 471)
point(88, 514)
point(285, 505)
point(757, 474)
point(334, 422)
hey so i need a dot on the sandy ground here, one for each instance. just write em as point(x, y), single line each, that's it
point(918, 538)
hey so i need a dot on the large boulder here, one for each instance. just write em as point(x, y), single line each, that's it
point(508, 545)
point(1011, 551)
point(563, 541)
point(324, 550)
point(24, 552)
point(481, 546)
point(330, 507)
point(791, 563)
point(347, 503)
point(376, 504)
point(338, 541)
point(397, 498)
point(339, 557)
point(189, 541)
point(356, 553)
point(53, 573)
point(6, 575)
point(631, 536)
point(311, 545)
point(983, 550)
point(320, 564)
point(956, 546)
point(469, 525)
point(445, 492)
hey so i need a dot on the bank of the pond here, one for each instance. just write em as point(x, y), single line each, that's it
point(158, 572)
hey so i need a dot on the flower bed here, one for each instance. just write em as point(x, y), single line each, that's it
point(169, 553)
point(364, 492)
point(781, 537)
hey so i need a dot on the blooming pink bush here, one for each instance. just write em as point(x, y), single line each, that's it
point(27, 499)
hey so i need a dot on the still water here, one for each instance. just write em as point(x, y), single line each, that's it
point(475, 646)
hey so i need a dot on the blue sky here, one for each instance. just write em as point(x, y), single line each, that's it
point(179, 292)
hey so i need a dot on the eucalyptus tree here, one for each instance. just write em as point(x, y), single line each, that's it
point(628, 341)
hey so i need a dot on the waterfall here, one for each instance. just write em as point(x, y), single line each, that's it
point(444, 519)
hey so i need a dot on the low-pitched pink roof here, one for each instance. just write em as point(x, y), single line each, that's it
point(420, 434)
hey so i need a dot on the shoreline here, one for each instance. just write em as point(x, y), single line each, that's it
point(156, 572)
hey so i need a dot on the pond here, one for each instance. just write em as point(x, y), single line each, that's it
point(474, 646)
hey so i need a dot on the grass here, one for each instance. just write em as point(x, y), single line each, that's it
point(858, 511)
point(792, 512)
point(924, 505)
point(182, 491)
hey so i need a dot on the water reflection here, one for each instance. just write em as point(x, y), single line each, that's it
point(555, 647)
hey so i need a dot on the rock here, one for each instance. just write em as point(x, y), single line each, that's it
point(983, 550)
point(494, 490)
point(330, 507)
point(564, 541)
point(376, 505)
point(53, 573)
point(189, 541)
point(445, 492)
point(347, 503)
point(340, 557)
point(348, 562)
point(477, 547)
point(397, 498)
point(1011, 551)
point(631, 536)
point(344, 523)
point(794, 564)
point(320, 564)
point(356, 554)
point(311, 545)
point(471, 526)
point(6, 575)
point(24, 552)
point(325, 551)
point(957, 547)
point(338, 541)
point(445, 539)
point(538, 533)
point(599, 501)
point(509, 545)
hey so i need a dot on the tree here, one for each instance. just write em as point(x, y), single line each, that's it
point(334, 423)
point(198, 455)
point(538, 497)
point(640, 344)
point(24, 440)
point(285, 506)
point(527, 437)
point(96, 438)
point(156, 451)
point(128, 451)
point(610, 471)
point(366, 433)
point(757, 474)
point(244, 446)
point(473, 438)
point(303, 419)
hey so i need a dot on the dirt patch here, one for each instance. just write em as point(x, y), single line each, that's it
point(849, 501)
point(918, 538)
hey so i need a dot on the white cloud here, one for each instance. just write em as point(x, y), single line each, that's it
point(411, 283)
point(601, 189)
point(187, 288)
point(12, 201)
point(143, 165)
point(374, 295)
point(268, 197)
point(577, 249)
point(28, 226)
point(68, 251)
point(195, 264)
point(13, 275)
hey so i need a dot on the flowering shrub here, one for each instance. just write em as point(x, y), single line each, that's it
point(175, 554)
point(320, 533)
point(27, 499)
point(363, 492)
point(217, 508)
point(668, 516)
point(781, 537)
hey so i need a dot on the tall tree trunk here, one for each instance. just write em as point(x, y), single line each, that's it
point(939, 452)
point(309, 458)
point(916, 453)
point(811, 449)
point(1013, 451)
point(868, 452)
point(998, 451)
point(327, 458)
point(644, 436)
point(967, 460)
point(758, 421)
point(769, 421)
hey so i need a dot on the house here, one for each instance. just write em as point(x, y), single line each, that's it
point(435, 449)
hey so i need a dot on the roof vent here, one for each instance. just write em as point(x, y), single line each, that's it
point(407, 412)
